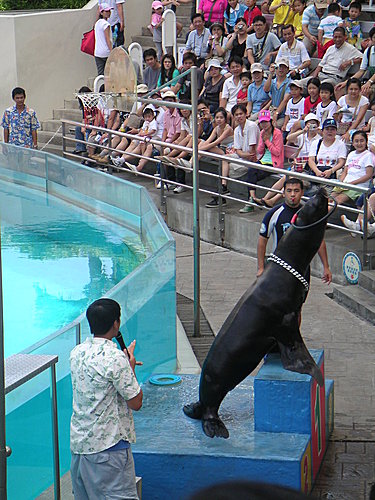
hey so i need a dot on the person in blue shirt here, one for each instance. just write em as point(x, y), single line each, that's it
point(278, 86)
point(256, 95)
point(233, 11)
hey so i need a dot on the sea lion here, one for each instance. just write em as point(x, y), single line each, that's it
point(266, 313)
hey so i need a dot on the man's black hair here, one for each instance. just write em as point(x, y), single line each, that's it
point(356, 5)
point(371, 33)
point(241, 106)
point(204, 101)
point(261, 19)
point(340, 29)
point(288, 26)
point(18, 91)
point(236, 59)
point(101, 315)
point(293, 180)
point(149, 53)
point(189, 56)
point(333, 7)
point(197, 14)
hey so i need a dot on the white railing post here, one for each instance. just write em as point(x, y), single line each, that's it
point(136, 54)
point(168, 32)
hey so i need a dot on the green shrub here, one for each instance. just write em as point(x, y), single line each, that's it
point(41, 4)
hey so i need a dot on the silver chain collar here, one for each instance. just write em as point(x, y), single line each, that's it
point(274, 258)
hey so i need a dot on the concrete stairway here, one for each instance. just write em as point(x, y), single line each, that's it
point(70, 111)
point(360, 299)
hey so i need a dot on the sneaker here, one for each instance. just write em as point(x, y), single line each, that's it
point(158, 185)
point(184, 163)
point(246, 209)
point(370, 230)
point(350, 224)
point(118, 162)
point(130, 166)
point(179, 189)
point(225, 190)
point(213, 203)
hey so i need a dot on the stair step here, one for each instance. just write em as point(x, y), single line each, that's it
point(50, 125)
point(45, 136)
point(357, 300)
point(52, 148)
point(144, 41)
point(185, 31)
point(367, 280)
point(68, 114)
point(71, 104)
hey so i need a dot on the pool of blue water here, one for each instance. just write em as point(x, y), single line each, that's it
point(56, 259)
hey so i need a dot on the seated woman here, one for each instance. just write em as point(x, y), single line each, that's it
point(351, 109)
point(236, 44)
point(327, 155)
point(270, 150)
point(213, 84)
point(216, 44)
point(304, 138)
point(168, 70)
point(358, 169)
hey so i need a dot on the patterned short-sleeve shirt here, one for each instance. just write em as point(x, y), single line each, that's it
point(102, 381)
point(20, 125)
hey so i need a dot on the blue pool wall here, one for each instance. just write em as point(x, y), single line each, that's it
point(147, 297)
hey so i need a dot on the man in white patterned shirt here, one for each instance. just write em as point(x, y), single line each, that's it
point(105, 391)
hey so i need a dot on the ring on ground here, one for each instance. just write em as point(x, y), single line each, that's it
point(164, 379)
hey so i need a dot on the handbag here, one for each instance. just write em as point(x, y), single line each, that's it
point(88, 42)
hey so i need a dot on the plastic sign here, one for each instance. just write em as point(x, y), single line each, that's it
point(351, 266)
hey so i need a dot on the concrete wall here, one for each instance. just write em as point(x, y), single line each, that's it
point(42, 53)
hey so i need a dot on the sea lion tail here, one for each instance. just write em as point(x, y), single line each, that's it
point(193, 410)
point(296, 358)
point(213, 426)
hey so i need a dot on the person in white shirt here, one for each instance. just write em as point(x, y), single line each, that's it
point(103, 39)
point(105, 391)
point(352, 108)
point(294, 108)
point(327, 155)
point(329, 24)
point(358, 169)
point(338, 59)
point(232, 85)
point(327, 107)
point(246, 138)
point(116, 20)
point(294, 51)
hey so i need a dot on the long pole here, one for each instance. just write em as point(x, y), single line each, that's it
point(196, 227)
point(3, 452)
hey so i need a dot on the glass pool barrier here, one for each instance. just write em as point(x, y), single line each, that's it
point(146, 295)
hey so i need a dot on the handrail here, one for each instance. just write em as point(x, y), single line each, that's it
point(219, 177)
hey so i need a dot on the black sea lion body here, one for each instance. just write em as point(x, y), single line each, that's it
point(267, 312)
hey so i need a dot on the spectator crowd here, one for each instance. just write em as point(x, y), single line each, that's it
point(306, 80)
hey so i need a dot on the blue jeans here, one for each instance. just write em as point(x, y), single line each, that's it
point(80, 137)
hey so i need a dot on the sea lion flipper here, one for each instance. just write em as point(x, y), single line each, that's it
point(193, 410)
point(294, 354)
point(213, 426)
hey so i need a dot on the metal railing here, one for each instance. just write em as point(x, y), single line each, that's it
point(219, 177)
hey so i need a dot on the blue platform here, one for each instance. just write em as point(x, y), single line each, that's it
point(175, 458)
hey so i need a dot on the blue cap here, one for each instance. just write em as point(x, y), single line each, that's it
point(329, 122)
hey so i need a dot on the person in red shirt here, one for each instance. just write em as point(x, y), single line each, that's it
point(249, 14)
point(245, 78)
point(313, 98)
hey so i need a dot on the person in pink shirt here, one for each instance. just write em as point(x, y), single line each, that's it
point(213, 10)
point(171, 132)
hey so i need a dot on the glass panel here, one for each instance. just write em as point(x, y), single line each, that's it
point(146, 295)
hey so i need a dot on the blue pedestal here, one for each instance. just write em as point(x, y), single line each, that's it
point(282, 442)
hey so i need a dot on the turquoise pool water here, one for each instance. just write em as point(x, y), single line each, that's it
point(56, 259)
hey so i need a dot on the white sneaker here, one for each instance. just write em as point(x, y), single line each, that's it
point(370, 229)
point(351, 224)
point(158, 185)
point(181, 189)
point(118, 162)
point(130, 166)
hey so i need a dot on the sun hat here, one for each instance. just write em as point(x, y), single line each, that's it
point(105, 7)
point(142, 88)
point(297, 83)
point(320, 4)
point(169, 93)
point(329, 122)
point(283, 61)
point(216, 25)
point(157, 5)
point(264, 115)
point(256, 67)
point(310, 117)
point(214, 63)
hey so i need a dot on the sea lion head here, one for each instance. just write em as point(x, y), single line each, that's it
point(313, 210)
